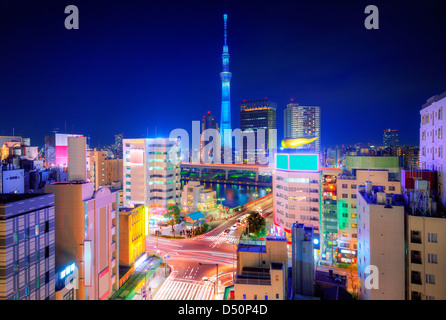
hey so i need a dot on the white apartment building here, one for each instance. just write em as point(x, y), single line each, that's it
point(346, 186)
point(381, 244)
point(426, 253)
point(432, 141)
point(151, 172)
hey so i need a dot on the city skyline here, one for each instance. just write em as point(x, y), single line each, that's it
point(147, 58)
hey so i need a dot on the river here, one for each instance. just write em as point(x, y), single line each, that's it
point(234, 195)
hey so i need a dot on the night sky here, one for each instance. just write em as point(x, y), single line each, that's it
point(134, 67)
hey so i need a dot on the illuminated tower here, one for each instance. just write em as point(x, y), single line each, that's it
point(225, 75)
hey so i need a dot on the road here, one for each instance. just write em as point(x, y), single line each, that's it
point(195, 259)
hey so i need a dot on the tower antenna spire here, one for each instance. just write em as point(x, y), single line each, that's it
point(225, 76)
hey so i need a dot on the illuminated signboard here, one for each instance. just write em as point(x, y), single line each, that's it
point(297, 162)
point(87, 263)
point(282, 161)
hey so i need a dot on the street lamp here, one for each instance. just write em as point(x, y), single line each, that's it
point(166, 256)
point(212, 264)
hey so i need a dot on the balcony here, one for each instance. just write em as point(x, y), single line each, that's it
point(415, 257)
point(415, 277)
point(415, 237)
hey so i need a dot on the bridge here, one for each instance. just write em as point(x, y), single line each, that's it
point(257, 169)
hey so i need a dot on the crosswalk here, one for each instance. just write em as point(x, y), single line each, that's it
point(217, 238)
point(180, 289)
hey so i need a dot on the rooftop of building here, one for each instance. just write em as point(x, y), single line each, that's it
point(6, 198)
point(247, 247)
point(374, 196)
point(433, 99)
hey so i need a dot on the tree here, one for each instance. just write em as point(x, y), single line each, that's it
point(173, 214)
point(256, 223)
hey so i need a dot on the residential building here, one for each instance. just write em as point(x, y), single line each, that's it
point(426, 253)
point(347, 184)
point(261, 270)
point(103, 170)
point(27, 247)
point(432, 140)
point(381, 244)
point(87, 228)
point(303, 122)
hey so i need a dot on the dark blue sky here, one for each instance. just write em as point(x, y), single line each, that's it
point(135, 66)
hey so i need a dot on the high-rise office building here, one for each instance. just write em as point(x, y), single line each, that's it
point(225, 76)
point(87, 228)
point(209, 122)
point(255, 115)
point(151, 174)
point(381, 244)
point(296, 192)
point(391, 138)
point(27, 246)
point(432, 140)
point(303, 122)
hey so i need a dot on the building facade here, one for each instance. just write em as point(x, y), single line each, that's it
point(296, 195)
point(103, 170)
point(132, 236)
point(391, 138)
point(27, 247)
point(256, 115)
point(432, 141)
point(77, 158)
point(261, 270)
point(347, 184)
point(151, 172)
point(303, 122)
point(426, 249)
point(87, 228)
point(195, 197)
point(381, 244)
